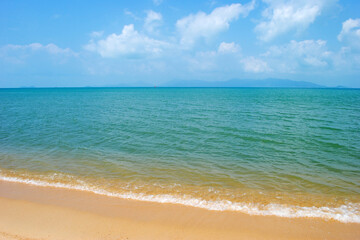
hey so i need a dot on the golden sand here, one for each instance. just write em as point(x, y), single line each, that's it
point(29, 212)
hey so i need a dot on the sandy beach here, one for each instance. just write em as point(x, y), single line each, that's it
point(30, 212)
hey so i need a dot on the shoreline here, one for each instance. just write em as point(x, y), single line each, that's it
point(33, 212)
point(347, 212)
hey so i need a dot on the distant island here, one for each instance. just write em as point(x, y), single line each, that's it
point(270, 82)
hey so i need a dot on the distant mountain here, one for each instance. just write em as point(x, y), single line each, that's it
point(127, 85)
point(270, 82)
point(340, 86)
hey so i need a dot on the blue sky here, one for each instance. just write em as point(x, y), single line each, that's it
point(109, 43)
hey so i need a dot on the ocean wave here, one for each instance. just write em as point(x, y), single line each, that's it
point(349, 213)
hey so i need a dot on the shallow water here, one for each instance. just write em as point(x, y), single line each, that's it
point(285, 152)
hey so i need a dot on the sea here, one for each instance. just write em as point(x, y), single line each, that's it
point(260, 151)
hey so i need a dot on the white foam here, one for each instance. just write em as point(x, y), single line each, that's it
point(345, 213)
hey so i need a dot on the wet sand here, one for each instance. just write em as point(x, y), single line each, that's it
point(31, 212)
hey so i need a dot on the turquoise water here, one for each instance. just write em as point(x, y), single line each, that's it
point(285, 152)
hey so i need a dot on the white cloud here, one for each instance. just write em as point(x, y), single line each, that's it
point(53, 49)
point(285, 15)
point(19, 54)
point(96, 34)
point(348, 26)
point(203, 61)
point(131, 14)
point(255, 65)
point(228, 47)
point(202, 25)
point(49, 48)
point(128, 43)
point(225, 58)
point(346, 60)
point(293, 57)
point(152, 20)
point(311, 57)
point(296, 55)
point(350, 32)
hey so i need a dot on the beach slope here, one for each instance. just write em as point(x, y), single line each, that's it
point(30, 212)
